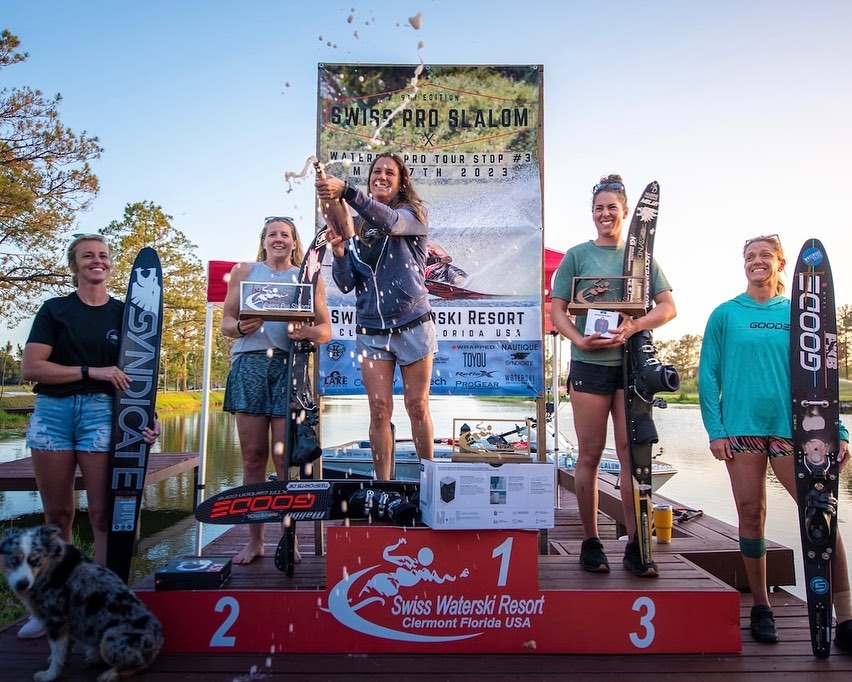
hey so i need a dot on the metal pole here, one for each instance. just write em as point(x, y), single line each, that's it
point(205, 411)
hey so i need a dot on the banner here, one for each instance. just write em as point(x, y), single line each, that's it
point(471, 138)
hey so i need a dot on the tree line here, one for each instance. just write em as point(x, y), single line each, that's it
point(46, 181)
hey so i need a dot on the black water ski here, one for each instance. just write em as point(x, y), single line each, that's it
point(138, 357)
point(641, 432)
point(816, 417)
point(302, 403)
point(315, 500)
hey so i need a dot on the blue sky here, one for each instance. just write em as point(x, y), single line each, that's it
point(740, 109)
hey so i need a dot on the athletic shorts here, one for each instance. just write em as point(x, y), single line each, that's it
point(257, 385)
point(405, 347)
point(81, 422)
point(601, 379)
point(773, 446)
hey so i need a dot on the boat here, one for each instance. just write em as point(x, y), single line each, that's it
point(354, 459)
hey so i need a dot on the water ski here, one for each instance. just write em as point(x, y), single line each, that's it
point(139, 358)
point(644, 375)
point(816, 420)
point(312, 500)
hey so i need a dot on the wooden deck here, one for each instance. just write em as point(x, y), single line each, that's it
point(559, 569)
point(18, 474)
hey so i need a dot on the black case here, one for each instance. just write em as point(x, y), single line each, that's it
point(193, 573)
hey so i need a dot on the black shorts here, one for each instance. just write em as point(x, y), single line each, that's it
point(601, 379)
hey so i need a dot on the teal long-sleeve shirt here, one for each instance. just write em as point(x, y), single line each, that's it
point(744, 371)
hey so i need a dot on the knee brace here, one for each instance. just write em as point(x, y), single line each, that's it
point(753, 548)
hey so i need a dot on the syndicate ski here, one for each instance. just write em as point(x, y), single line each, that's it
point(644, 375)
point(816, 421)
point(139, 358)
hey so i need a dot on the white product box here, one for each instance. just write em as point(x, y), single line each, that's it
point(479, 496)
point(601, 321)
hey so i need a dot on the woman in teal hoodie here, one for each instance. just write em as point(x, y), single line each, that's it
point(744, 390)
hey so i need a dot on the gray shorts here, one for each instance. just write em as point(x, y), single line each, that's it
point(257, 385)
point(405, 347)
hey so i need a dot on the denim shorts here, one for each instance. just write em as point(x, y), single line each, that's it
point(405, 347)
point(600, 379)
point(257, 385)
point(81, 422)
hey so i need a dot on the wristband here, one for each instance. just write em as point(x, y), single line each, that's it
point(84, 370)
point(240, 329)
point(349, 192)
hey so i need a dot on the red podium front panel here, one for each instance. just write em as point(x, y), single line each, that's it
point(418, 590)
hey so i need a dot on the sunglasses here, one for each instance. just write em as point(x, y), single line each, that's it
point(601, 186)
point(763, 238)
point(86, 235)
point(277, 219)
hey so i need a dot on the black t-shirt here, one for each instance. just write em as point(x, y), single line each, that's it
point(78, 334)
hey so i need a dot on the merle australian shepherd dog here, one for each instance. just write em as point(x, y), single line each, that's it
point(78, 600)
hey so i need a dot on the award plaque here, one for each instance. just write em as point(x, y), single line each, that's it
point(491, 440)
point(277, 301)
point(607, 293)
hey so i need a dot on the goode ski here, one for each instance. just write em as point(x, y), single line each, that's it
point(816, 420)
point(644, 375)
point(315, 500)
point(139, 358)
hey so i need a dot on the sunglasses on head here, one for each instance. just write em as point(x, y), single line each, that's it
point(86, 235)
point(601, 186)
point(763, 238)
point(278, 218)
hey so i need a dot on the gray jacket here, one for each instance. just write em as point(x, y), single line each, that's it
point(387, 269)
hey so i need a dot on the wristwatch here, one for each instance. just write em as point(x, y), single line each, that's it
point(85, 371)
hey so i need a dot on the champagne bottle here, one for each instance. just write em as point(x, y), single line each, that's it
point(335, 211)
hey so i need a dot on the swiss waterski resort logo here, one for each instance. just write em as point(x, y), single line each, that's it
point(414, 591)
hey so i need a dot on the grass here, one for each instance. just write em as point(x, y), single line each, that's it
point(11, 608)
point(170, 401)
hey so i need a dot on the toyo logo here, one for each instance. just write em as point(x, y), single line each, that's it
point(810, 346)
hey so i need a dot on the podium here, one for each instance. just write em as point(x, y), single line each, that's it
point(403, 590)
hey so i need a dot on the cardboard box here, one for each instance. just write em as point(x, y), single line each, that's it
point(478, 496)
point(193, 573)
point(601, 321)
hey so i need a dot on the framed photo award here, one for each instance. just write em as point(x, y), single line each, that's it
point(277, 301)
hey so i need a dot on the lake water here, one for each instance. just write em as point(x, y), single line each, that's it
point(169, 528)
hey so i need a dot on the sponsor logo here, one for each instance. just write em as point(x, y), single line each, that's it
point(252, 506)
point(813, 256)
point(335, 379)
point(418, 595)
point(481, 373)
point(819, 585)
point(810, 323)
point(770, 325)
point(335, 350)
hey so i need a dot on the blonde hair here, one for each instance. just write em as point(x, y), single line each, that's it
point(774, 242)
point(71, 252)
point(297, 255)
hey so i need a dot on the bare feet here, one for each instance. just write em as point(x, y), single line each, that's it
point(248, 553)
